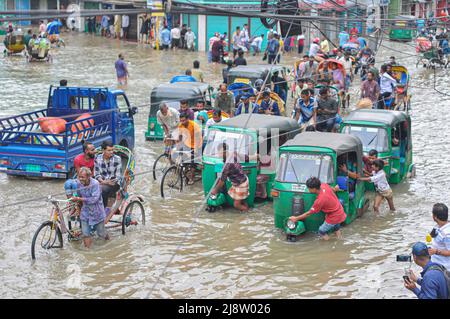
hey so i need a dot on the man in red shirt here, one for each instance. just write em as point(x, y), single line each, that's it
point(328, 203)
point(86, 159)
point(354, 30)
point(83, 160)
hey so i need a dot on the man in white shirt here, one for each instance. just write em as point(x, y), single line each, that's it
point(440, 246)
point(190, 37)
point(314, 48)
point(246, 37)
point(257, 44)
point(387, 85)
point(168, 118)
point(216, 118)
point(348, 66)
point(175, 34)
point(125, 25)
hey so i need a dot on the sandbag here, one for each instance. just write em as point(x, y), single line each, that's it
point(84, 124)
point(53, 125)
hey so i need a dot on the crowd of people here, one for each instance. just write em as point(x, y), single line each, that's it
point(315, 108)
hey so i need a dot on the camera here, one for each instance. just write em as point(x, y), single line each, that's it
point(433, 233)
point(404, 258)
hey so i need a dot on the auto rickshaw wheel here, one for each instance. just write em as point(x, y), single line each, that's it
point(291, 238)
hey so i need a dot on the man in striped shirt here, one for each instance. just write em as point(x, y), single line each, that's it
point(107, 170)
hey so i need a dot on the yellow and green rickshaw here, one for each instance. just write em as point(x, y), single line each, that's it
point(316, 154)
point(14, 42)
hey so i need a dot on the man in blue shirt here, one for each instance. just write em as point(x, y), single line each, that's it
point(92, 213)
point(433, 284)
point(268, 106)
point(166, 38)
point(273, 46)
point(105, 25)
point(304, 110)
point(246, 106)
point(343, 37)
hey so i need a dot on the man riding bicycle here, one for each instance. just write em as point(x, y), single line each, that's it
point(168, 118)
point(190, 139)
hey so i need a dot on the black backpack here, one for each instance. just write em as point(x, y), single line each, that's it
point(446, 274)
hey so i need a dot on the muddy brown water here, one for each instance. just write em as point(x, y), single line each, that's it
point(226, 254)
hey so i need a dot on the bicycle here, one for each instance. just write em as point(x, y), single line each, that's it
point(173, 177)
point(127, 211)
point(163, 161)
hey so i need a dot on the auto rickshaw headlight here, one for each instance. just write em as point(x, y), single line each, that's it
point(291, 225)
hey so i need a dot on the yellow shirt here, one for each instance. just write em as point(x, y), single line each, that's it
point(196, 73)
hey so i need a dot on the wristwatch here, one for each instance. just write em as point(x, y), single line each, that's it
point(438, 252)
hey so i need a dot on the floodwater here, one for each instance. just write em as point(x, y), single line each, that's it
point(221, 255)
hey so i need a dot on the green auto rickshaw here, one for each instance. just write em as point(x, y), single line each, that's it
point(248, 74)
point(403, 28)
point(173, 93)
point(316, 154)
point(388, 132)
point(256, 139)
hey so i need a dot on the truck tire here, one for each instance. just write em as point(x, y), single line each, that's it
point(270, 8)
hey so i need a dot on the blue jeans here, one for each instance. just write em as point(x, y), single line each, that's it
point(70, 186)
point(326, 125)
point(88, 230)
point(326, 228)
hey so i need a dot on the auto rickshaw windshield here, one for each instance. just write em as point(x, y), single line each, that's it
point(242, 144)
point(298, 167)
point(371, 137)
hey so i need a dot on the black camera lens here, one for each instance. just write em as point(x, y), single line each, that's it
point(433, 233)
point(404, 258)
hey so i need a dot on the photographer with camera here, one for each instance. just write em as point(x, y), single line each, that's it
point(433, 284)
point(440, 246)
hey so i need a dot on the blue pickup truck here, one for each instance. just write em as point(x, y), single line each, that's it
point(26, 150)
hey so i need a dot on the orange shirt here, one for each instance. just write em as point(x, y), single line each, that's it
point(192, 134)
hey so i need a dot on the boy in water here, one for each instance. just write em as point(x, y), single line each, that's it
point(382, 187)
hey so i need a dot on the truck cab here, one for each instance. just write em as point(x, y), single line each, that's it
point(87, 114)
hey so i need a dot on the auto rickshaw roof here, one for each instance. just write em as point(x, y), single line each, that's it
point(180, 89)
point(385, 117)
point(261, 121)
point(340, 143)
point(253, 70)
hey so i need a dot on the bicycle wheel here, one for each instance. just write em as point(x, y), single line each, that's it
point(171, 181)
point(45, 237)
point(133, 217)
point(161, 164)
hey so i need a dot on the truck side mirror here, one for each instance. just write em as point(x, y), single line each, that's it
point(134, 110)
